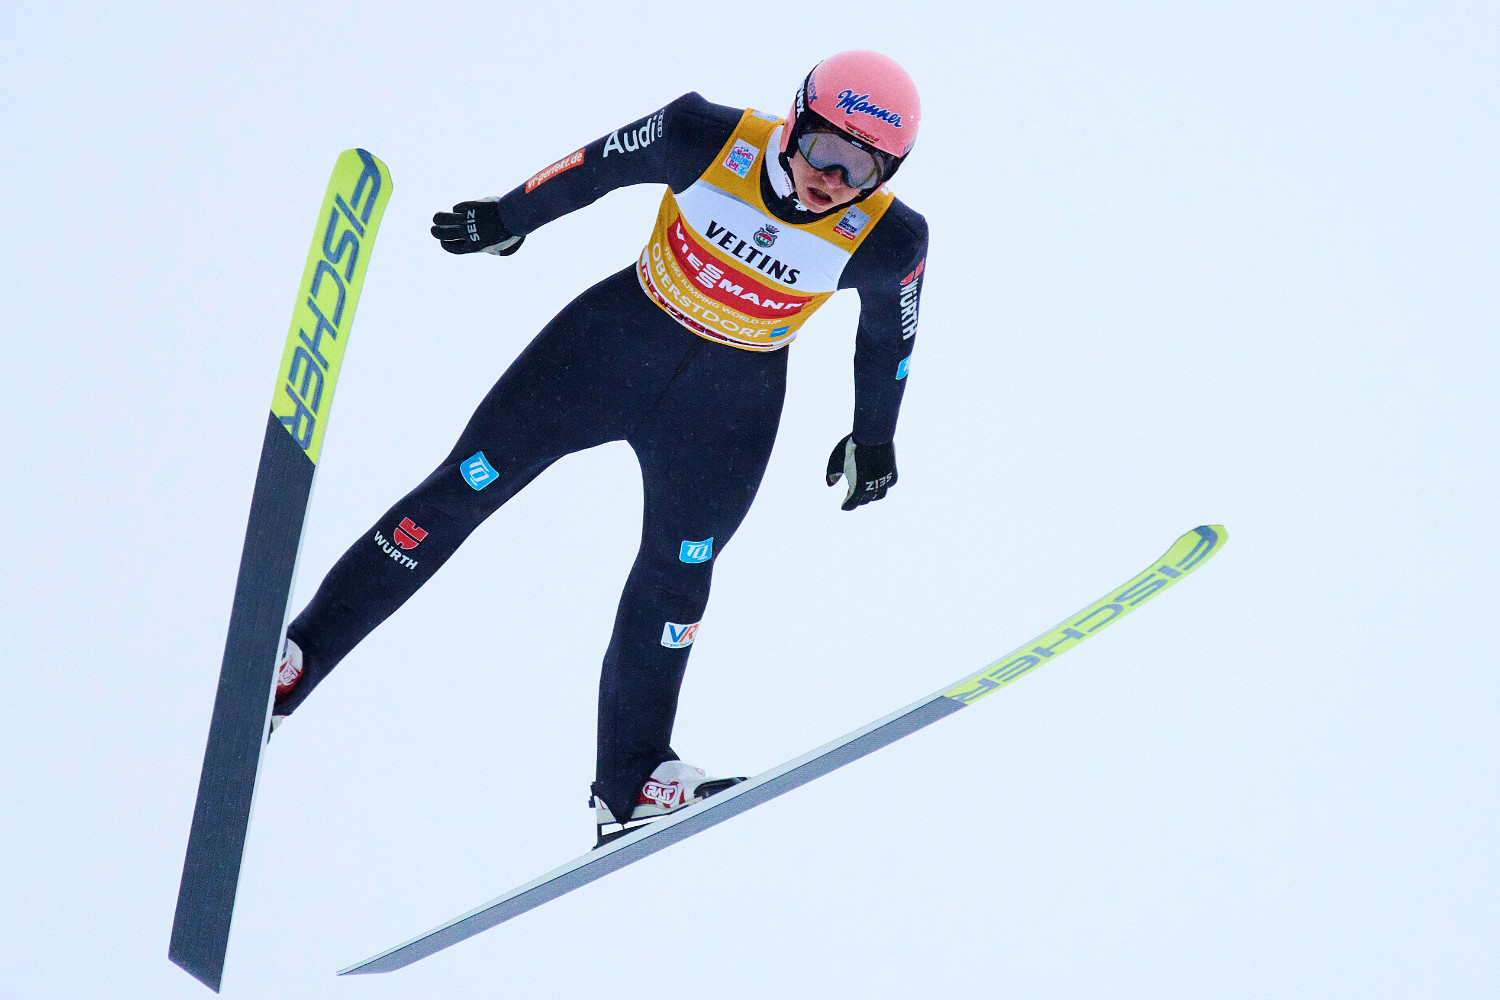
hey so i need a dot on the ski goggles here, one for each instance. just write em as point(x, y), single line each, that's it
point(861, 167)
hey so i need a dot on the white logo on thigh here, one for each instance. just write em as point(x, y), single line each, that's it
point(675, 636)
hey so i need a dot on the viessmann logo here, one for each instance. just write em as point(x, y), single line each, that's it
point(342, 243)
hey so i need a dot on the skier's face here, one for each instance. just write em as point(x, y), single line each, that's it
point(820, 190)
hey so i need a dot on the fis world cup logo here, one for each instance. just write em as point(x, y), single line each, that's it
point(851, 222)
point(329, 296)
point(766, 235)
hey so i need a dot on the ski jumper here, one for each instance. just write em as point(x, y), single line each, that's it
point(681, 355)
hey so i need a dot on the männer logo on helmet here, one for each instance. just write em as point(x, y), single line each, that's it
point(852, 103)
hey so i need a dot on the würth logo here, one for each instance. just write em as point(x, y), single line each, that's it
point(408, 535)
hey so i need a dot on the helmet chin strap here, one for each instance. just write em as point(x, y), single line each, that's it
point(779, 173)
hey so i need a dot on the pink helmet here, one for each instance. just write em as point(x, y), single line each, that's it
point(865, 95)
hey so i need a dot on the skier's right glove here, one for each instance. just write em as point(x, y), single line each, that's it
point(473, 226)
point(869, 470)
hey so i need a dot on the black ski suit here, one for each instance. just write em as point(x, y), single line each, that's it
point(701, 416)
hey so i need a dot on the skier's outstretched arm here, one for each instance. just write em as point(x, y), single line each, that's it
point(888, 270)
point(669, 146)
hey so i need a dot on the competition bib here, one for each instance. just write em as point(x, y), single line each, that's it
point(723, 266)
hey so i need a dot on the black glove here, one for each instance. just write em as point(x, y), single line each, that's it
point(473, 226)
point(869, 470)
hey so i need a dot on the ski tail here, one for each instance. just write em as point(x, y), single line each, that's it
point(1186, 555)
point(324, 312)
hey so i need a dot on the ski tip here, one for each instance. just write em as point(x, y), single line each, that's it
point(1194, 548)
point(364, 156)
point(1214, 534)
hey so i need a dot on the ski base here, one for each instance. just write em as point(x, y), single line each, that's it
point(226, 789)
point(1188, 553)
point(663, 833)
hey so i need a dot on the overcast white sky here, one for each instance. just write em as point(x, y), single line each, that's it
point(1186, 267)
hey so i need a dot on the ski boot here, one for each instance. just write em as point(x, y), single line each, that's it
point(288, 673)
point(672, 786)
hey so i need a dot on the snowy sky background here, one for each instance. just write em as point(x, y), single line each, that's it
point(1187, 266)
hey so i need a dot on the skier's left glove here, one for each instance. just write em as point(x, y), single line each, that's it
point(473, 226)
point(869, 470)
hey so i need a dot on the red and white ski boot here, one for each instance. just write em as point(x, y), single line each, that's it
point(288, 673)
point(672, 786)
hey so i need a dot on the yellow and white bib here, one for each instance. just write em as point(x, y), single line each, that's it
point(723, 266)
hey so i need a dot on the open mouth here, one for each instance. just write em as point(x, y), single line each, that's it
point(819, 197)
